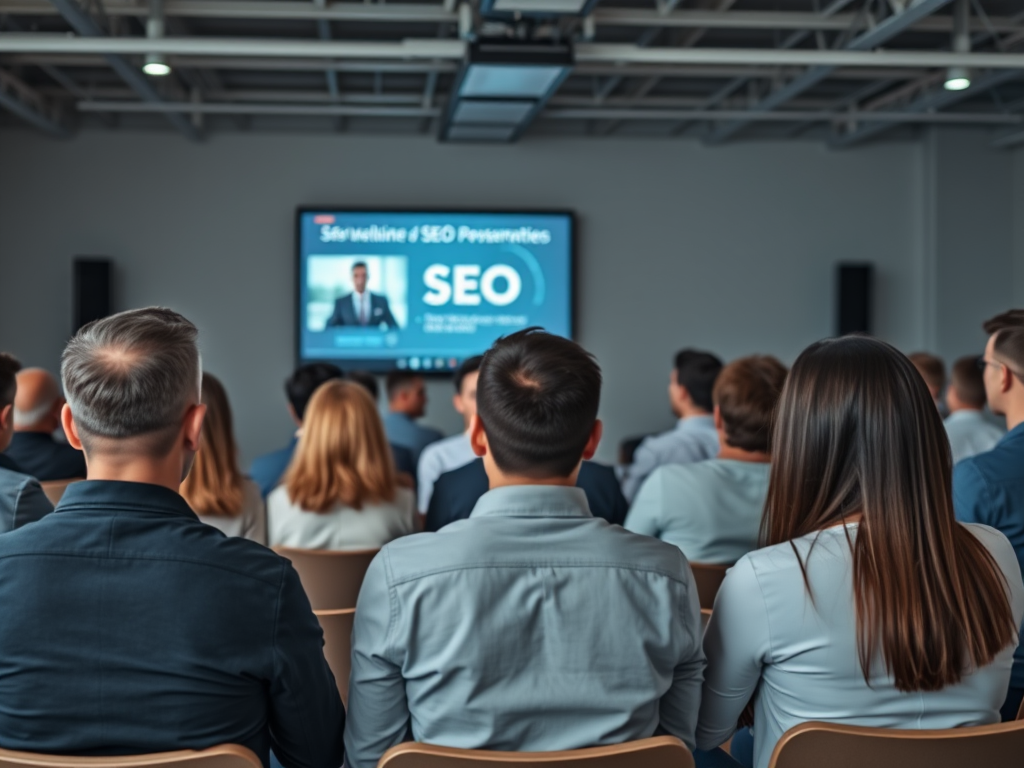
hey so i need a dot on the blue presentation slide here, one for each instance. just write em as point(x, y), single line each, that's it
point(423, 291)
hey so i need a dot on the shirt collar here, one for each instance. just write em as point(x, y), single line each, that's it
point(696, 422)
point(1014, 434)
point(119, 496)
point(533, 501)
point(964, 414)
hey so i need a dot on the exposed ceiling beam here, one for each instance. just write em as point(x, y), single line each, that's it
point(85, 25)
point(427, 48)
point(884, 31)
point(234, 108)
point(19, 99)
point(933, 100)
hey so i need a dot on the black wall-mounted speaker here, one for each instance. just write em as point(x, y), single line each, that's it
point(854, 298)
point(91, 290)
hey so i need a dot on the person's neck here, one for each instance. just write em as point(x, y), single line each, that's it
point(505, 481)
point(1014, 413)
point(164, 471)
point(36, 430)
point(691, 413)
point(403, 412)
point(964, 409)
point(733, 453)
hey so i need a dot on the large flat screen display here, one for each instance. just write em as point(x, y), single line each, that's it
point(381, 290)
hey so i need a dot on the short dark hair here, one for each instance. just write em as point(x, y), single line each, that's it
point(9, 368)
point(367, 381)
point(697, 371)
point(746, 393)
point(931, 368)
point(968, 382)
point(1008, 329)
point(359, 264)
point(306, 379)
point(469, 365)
point(537, 397)
point(399, 380)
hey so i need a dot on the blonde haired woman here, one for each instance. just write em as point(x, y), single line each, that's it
point(216, 489)
point(340, 490)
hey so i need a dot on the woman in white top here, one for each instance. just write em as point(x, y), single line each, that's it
point(215, 488)
point(869, 605)
point(340, 490)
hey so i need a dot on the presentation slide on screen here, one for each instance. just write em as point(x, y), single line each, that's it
point(424, 291)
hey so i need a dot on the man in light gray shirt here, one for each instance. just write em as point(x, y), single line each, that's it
point(969, 432)
point(694, 437)
point(711, 510)
point(21, 498)
point(532, 625)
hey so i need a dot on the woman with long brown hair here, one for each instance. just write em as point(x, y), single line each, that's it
point(341, 490)
point(869, 604)
point(215, 488)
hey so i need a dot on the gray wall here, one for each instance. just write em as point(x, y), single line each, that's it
point(730, 249)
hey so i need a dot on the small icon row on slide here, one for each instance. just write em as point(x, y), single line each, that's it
point(427, 363)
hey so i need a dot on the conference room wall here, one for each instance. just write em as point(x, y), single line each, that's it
point(731, 249)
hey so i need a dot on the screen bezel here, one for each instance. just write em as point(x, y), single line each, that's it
point(362, 364)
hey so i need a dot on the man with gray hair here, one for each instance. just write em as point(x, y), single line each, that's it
point(21, 497)
point(131, 627)
point(37, 408)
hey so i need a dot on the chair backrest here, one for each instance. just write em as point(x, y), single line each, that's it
point(708, 579)
point(812, 745)
point(657, 752)
point(54, 489)
point(331, 579)
point(222, 756)
point(337, 627)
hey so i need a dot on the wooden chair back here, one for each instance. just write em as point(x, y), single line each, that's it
point(222, 756)
point(54, 489)
point(812, 745)
point(331, 579)
point(337, 627)
point(708, 579)
point(657, 752)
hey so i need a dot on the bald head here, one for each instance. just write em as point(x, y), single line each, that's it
point(38, 401)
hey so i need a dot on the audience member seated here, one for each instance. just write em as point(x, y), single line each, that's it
point(21, 498)
point(36, 417)
point(694, 437)
point(341, 490)
point(712, 509)
point(457, 492)
point(869, 604)
point(969, 432)
point(129, 626)
point(989, 488)
point(216, 489)
point(407, 401)
point(933, 371)
point(402, 455)
point(531, 625)
point(455, 451)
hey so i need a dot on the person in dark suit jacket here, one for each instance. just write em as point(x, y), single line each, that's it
point(457, 492)
point(360, 308)
point(37, 409)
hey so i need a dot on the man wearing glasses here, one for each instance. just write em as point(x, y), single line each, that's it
point(989, 488)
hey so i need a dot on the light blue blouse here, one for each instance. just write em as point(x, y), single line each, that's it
point(766, 636)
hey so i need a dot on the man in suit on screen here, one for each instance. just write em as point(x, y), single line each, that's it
point(361, 308)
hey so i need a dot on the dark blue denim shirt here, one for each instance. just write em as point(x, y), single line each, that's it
point(129, 627)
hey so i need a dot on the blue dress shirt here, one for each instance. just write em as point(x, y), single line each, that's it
point(130, 627)
point(403, 431)
point(989, 488)
point(694, 439)
point(530, 626)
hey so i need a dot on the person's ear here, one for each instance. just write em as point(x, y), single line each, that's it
point(719, 421)
point(457, 404)
point(192, 428)
point(7, 417)
point(67, 421)
point(477, 436)
point(1006, 380)
point(295, 416)
point(593, 441)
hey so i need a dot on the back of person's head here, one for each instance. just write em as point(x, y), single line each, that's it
point(537, 400)
point(697, 372)
point(469, 365)
point(967, 382)
point(300, 386)
point(746, 393)
point(214, 486)
point(343, 457)
point(9, 368)
point(932, 370)
point(399, 381)
point(38, 401)
point(131, 378)
point(367, 381)
point(1008, 345)
point(858, 432)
